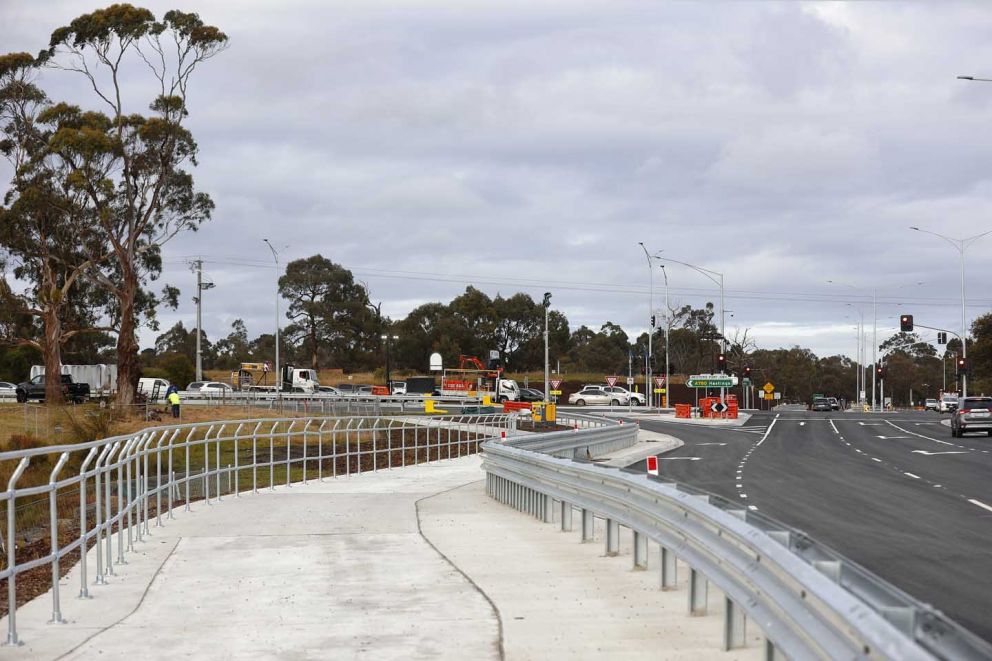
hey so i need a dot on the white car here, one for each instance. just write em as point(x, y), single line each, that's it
point(398, 387)
point(330, 391)
point(215, 388)
point(7, 389)
point(595, 395)
point(948, 403)
point(636, 398)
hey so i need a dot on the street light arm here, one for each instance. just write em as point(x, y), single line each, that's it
point(972, 239)
point(708, 273)
point(957, 243)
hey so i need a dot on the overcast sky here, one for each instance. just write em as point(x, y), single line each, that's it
point(531, 145)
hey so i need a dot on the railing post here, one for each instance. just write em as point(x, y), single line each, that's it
point(566, 516)
point(53, 510)
point(189, 477)
point(320, 449)
point(697, 592)
point(83, 589)
point(668, 569)
point(640, 551)
point(170, 478)
point(206, 465)
point(237, 463)
point(254, 458)
point(734, 625)
point(588, 525)
point(218, 439)
point(98, 515)
point(108, 505)
point(547, 508)
point(11, 556)
point(289, 445)
point(612, 537)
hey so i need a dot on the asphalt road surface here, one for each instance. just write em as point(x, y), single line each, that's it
point(893, 492)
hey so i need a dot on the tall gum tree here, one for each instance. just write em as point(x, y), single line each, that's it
point(148, 198)
point(43, 219)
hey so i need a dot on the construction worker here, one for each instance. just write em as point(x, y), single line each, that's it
point(174, 401)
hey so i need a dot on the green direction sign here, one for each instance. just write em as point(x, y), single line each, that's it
point(711, 381)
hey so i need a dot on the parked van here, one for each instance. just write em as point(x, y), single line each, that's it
point(153, 388)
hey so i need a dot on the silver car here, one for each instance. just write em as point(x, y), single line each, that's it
point(972, 414)
point(596, 396)
point(7, 389)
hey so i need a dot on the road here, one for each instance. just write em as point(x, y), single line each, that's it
point(893, 492)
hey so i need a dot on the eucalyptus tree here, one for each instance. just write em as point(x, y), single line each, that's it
point(147, 197)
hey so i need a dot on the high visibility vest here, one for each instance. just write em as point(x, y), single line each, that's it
point(174, 398)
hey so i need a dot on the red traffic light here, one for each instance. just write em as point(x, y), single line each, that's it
point(906, 323)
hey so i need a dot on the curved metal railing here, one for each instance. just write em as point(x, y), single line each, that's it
point(810, 601)
point(119, 485)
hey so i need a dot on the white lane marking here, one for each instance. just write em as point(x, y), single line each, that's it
point(710, 443)
point(922, 436)
point(682, 458)
point(751, 507)
point(802, 424)
point(930, 454)
point(980, 504)
point(915, 477)
point(767, 431)
point(876, 459)
point(836, 431)
point(885, 438)
point(870, 424)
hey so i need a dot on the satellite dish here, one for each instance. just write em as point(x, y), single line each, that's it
point(436, 362)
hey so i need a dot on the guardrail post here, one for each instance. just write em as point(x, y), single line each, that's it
point(83, 590)
point(11, 545)
point(640, 551)
point(734, 625)
point(53, 510)
point(668, 569)
point(697, 592)
point(771, 652)
point(254, 458)
point(188, 476)
point(218, 439)
point(612, 538)
point(126, 512)
point(237, 465)
point(588, 525)
point(566, 516)
point(108, 504)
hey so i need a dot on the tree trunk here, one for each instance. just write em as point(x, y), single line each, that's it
point(52, 352)
point(128, 370)
point(313, 349)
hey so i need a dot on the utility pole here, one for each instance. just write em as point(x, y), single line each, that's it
point(199, 318)
point(275, 256)
point(200, 287)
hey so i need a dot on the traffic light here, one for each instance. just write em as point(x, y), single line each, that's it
point(962, 364)
point(721, 363)
point(906, 323)
point(747, 371)
point(880, 370)
point(941, 337)
point(652, 321)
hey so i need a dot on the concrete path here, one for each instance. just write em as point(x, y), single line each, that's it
point(406, 563)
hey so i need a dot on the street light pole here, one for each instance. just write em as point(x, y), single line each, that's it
point(668, 329)
point(723, 331)
point(960, 245)
point(547, 364)
point(647, 360)
point(275, 256)
point(388, 339)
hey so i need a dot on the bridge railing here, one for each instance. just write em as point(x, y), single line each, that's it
point(101, 497)
point(809, 600)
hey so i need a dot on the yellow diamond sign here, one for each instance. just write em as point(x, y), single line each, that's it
point(768, 387)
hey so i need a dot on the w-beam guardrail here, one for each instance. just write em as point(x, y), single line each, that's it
point(809, 601)
point(120, 485)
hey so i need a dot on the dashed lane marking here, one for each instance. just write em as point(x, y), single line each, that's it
point(739, 477)
point(980, 504)
point(915, 477)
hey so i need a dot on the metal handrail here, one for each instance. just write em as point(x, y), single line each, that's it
point(810, 601)
point(144, 475)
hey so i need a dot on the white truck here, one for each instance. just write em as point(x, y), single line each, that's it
point(254, 377)
point(948, 402)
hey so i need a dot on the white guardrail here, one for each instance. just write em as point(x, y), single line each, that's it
point(809, 601)
point(118, 486)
